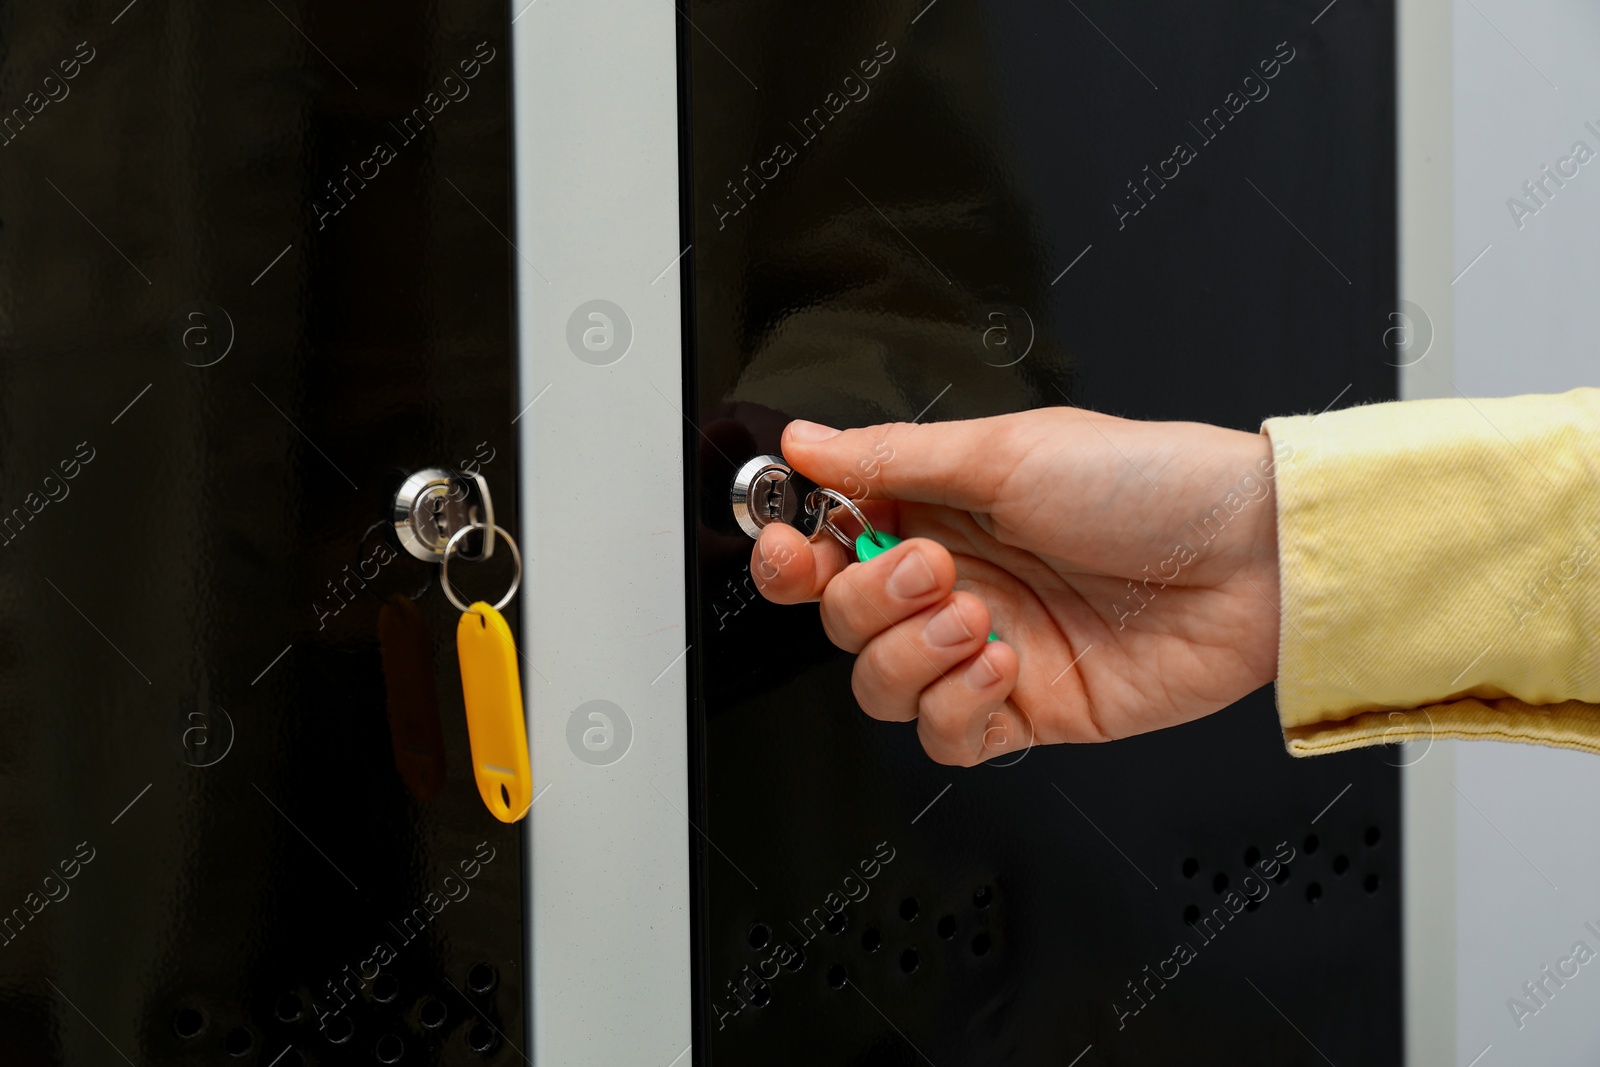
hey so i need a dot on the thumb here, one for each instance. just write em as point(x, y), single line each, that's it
point(957, 464)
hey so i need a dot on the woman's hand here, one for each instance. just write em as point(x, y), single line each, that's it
point(1129, 568)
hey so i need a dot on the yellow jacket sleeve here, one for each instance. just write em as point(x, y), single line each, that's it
point(1440, 572)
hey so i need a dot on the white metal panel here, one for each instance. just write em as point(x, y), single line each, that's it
point(1428, 799)
point(596, 158)
point(1527, 90)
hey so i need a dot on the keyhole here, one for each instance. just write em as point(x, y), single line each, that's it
point(430, 518)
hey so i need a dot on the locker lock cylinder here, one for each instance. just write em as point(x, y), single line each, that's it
point(435, 504)
point(762, 493)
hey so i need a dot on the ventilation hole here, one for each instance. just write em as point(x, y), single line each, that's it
point(188, 1022)
point(1370, 884)
point(238, 1042)
point(1313, 893)
point(909, 960)
point(505, 796)
point(797, 958)
point(1283, 874)
point(481, 978)
point(837, 976)
point(1191, 867)
point(481, 1038)
point(390, 1049)
point(1311, 843)
point(837, 922)
point(947, 927)
point(871, 940)
point(1373, 836)
point(760, 936)
point(290, 1008)
point(1191, 914)
point(983, 897)
point(980, 944)
point(1252, 856)
point(1340, 865)
point(761, 996)
point(433, 1013)
point(385, 988)
point(1219, 883)
point(908, 908)
point(339, 1029)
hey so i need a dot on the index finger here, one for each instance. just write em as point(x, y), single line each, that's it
point(957, 464)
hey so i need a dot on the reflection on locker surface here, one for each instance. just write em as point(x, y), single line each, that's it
point(922, 211)
point(249, 284)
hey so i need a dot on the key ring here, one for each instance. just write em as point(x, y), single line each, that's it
point(832, 498)
point(444, 567)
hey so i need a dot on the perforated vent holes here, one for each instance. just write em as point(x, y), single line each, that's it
point(390, 1024)
point(903, 925)
point(1321, 863)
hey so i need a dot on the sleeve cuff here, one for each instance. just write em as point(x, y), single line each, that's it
point(1439, 566)
point(1572, 724)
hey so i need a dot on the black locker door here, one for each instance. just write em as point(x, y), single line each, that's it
point(250, 277)
point(940, 210)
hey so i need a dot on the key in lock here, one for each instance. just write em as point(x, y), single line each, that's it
point(767, 490)
point(434, 504)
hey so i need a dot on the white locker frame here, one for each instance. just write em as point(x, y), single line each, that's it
point(1425, 134)
point(595, 121)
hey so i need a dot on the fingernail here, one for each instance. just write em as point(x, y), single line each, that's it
point(911, 577)
point(981, 675)
point(946, 628)
point(807, 432)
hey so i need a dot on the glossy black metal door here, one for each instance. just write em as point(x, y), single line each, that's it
point(915, 210)
point(253, 274)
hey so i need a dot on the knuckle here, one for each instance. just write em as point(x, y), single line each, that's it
point(839, 619)
point(875, 669)
point(943, 722)
point(830, 629)
point(943, 750)
point(872, 695)
point(861, 689)
point(888, 438)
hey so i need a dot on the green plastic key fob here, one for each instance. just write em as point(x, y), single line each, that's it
point(867, 548)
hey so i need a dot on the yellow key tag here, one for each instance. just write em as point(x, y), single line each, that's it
point(491, 687)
